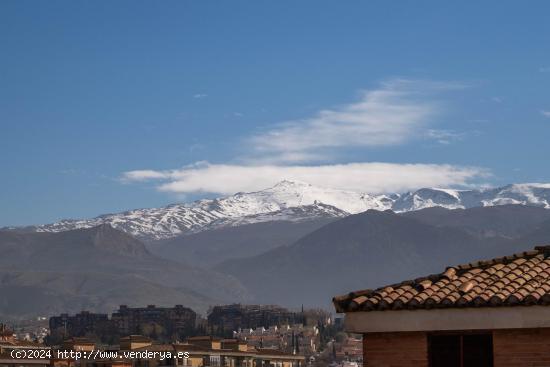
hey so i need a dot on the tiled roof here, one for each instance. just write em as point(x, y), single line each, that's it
point(136, 338)
point(78, 340)
point(271, 351)
point(520, 279)
point(156, 348)
point(23, 344)
point(204, 338)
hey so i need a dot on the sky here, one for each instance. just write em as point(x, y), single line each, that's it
point(108, 106)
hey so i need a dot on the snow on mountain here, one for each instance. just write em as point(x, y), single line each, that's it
point(289, 194)
point(525, 194)
point(285, 201)
point(296, 201)
point(293, 214)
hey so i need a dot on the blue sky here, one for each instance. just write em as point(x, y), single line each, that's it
point(107, 106)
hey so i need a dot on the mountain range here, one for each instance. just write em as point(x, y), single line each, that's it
point(281, 201)
point(291, 244)
point(372, 248)
point(98, 268)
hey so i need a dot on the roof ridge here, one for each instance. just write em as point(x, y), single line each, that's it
point(420, 284)
point(463, 268)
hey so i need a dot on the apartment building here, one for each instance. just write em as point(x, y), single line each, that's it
point(171, 320)
point(223, 320)
point(157, 322)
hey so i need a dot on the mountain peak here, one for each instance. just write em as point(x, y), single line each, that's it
point(291, 184)
point(107, 238)
point(270, 204)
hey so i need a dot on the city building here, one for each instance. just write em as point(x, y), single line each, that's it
point(6, 334)
point(350, 349)
point(131, 342)
point(175, 321)
point(216, 352)
point(163, 323)
point(223, 320)
point(78, 344)
point(202, 351)
point(483, 314)
point(27, 354)
point(75, 344)
point(81, 324)
point(295, 338)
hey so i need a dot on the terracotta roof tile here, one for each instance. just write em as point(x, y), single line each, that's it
point(519, 279)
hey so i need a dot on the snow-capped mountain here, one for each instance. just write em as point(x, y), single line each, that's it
point(292, 214)
point(296, 201)
point(279, 202)
point(534, 194)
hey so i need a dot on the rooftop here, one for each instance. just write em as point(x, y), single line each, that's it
point(156, 348)
point(521, 279)
point(203, 338)
point(136, 338)
point(5, 331)
point(22, 344)
point(79, 340)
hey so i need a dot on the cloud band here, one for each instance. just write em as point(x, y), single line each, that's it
point(372, 177)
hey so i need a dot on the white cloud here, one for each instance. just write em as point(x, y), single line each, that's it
point(396, 112)
point(390, 115)
point(200, 95)
point(545, 113)
point(142, 175)
point(444, 136)
point(366, 177)
point(544, 69)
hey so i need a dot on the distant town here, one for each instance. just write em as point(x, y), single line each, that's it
point(234, 335)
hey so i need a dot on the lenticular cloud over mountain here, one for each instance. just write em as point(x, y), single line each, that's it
point(372, 177)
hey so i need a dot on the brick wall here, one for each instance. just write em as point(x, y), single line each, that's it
point(522, 347)
point(395, 350)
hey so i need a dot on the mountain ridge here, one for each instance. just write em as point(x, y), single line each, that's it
point(267, 205)
point(359, 251)
point(99, 268)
